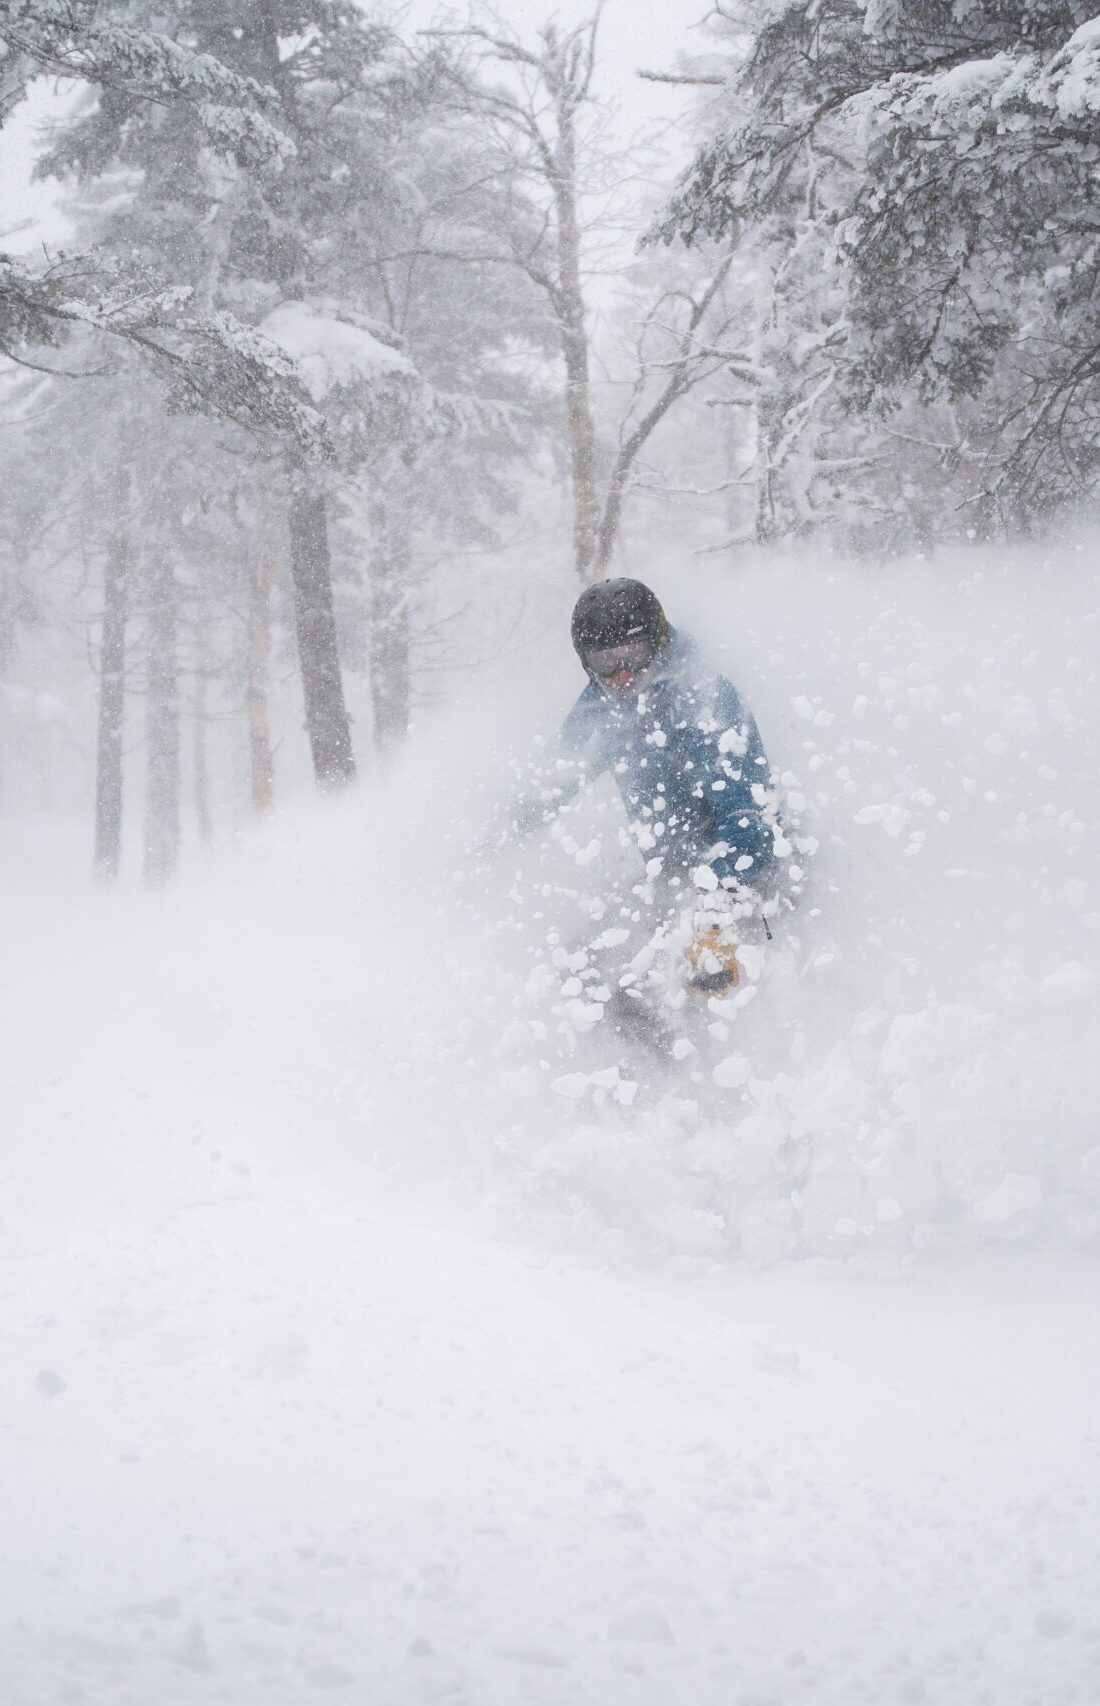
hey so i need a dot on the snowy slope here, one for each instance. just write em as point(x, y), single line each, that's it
point(345, 1356)
point(306, 1445)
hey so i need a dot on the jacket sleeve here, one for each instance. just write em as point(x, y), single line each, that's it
point(740, 786)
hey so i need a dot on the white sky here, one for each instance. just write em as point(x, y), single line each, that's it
point(634, 33)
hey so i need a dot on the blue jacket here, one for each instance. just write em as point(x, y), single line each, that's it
point(687, 756)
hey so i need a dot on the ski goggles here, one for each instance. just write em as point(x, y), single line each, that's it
point(609, 660)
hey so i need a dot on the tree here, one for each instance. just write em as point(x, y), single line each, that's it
point(303, 250)
point(162, 720)
point(426, 480)
point(545, 140)
point(211, 362)
point(78, 39)
point(965, 244)
point(118, 574)
point(267, 533)
point(249, 244)
point(796, 463)
point(537, 130)
point(674, 351)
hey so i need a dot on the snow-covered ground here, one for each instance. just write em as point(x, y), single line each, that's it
point(342, 1354)
point(308, 1443)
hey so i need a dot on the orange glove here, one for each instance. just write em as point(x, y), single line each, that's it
point(712, 962)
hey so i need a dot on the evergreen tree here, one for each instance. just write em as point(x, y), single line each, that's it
point(313, 253)
point(248, 244)
point(210, 361)
point(964, 243)
point(964, 239)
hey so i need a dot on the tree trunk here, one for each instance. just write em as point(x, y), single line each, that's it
point(390, 668)
point(112, 683)
point(259, 657)
point(322, 685)
point(198, 713)
point(608, 530)
point(162, 777)
point(574, 343)
point(582, 447)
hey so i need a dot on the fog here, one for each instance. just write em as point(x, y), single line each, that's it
point(383, 1316)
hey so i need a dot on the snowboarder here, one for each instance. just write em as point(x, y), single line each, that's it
point(687, 757)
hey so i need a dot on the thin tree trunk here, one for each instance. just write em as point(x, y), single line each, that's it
point(322, 684)
point(679, 382)
point(198, 712)
point(162, 777)
point(608, 530)
point(390, 667)
point(574, 343)
point(112, 683)
point(259, 657)
point(582, 448)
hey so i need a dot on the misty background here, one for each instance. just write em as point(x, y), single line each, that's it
point(374, 1325)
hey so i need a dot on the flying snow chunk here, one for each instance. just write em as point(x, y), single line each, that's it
point(750, 959)
point(891, 816)
point(582, 1015)
point(572, 1086)
point(613, 938)
point(1016, 1193)
point(732, 1071)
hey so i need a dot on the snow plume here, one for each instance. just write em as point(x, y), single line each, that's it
point(908, 1066)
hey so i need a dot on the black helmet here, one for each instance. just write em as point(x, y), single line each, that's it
point(613, 612)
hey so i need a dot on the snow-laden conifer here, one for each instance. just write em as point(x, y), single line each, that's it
point(965, 239)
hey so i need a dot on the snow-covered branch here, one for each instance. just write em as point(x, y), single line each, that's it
point(77, 39)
